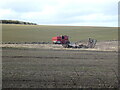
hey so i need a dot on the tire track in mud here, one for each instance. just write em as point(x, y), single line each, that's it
point(42, 57)
point(54, 57)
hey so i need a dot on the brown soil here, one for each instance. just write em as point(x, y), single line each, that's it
point(100, 46)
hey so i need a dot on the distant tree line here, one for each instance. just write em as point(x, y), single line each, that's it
point(16, 22)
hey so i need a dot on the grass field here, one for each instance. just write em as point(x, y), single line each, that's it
point(38, 33)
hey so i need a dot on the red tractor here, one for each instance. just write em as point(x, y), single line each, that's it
point(63, 39)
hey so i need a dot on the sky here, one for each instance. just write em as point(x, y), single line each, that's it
point(62, 12)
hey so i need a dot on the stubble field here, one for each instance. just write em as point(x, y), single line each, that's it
point(49, 68)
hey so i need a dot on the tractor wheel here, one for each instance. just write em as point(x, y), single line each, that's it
point(65, 45)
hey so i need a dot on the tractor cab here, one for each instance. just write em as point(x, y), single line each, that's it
point(62, 39)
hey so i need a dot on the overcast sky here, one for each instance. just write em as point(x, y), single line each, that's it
point(62, 12)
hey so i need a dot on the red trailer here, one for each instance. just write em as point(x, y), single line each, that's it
point(63, 39)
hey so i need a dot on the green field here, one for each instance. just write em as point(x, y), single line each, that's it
point(39, 33)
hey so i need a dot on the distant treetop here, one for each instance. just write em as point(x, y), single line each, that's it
point(16, 22)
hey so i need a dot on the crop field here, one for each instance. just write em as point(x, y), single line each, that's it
point(27, 65)
point(50, 68)
point(39, 33)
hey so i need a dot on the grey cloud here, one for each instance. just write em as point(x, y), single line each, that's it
point(64, 14)
point(26, 5)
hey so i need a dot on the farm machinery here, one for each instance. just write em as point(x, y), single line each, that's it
point(64, 40)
